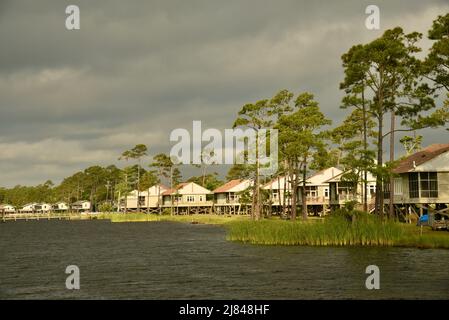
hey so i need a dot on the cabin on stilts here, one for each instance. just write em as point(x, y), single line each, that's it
point(346, 188)
point(228, 197)
point(421, 184)
point(188, 198)
point(279, 194)
point(150, 200)
point(317, 191)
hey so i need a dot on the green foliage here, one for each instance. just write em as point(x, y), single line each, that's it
point(254, 115)
point(301, 138)
point(106, 207)
point(166, 168)
point(21, 195)
point(176, 176)
point(437, 62)
point(239, 171)
point(411, 144)
point(355, 155)
point(148, 179)
point(385, 76)
point(211, 181)
point(324, 158)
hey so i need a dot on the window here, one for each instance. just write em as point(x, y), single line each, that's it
point(311, 192)
point(326, 193)
point(372, 190)
point(429, 184)
point(398, 186)
point(201, 198)
point(275, 194)
point(190, 199)
point(387, 189)
point(141, 200)
point(343, 189)
point(413, 185)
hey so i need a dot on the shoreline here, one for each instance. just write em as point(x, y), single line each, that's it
point(315, 232)
point(322, 232)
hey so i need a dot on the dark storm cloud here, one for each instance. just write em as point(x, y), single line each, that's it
point(138, 69)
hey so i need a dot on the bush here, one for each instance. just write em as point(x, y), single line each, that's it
point(166, 212)
point(106, 207)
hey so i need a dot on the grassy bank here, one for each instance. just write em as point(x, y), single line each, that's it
point(336, 231)
point(193, 218)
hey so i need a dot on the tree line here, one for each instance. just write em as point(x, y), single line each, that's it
point(382, 79)
point(103, 186)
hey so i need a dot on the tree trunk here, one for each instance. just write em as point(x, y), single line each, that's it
point(391, 204)
point(204, 175)
point(365, 149)
point(293, 186)
point(284, 195)
point(126, 193)
point(379, 186)
point(171, 187)
point(118, 204)
point(138, 188)
point(279, 195)
point(159, 197)
point(159, 200)
point(303, 192)
point(256, 198)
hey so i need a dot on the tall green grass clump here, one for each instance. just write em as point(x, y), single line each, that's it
point(349, 229)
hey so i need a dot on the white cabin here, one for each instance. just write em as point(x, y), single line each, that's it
point(422, 179)
point(342, 191)
point(150, 198)
point(187, 194)
point(42, 207)
point(7, 208)
point(229, 193)
point(81, 206)
point(317, 191)
point(30, 207)
point(278, 187)
point(60, 206)
point(317, 186)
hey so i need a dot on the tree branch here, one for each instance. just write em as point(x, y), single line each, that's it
point(399, 130)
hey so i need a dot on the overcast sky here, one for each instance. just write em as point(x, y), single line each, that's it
point(138, 69)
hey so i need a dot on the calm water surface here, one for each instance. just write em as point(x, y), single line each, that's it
point(181, 261)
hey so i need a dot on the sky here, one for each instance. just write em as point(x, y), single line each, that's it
point(136, 70)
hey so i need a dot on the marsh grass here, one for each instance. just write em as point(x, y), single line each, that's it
point(193, 218)
point(428, 239)
point(335, 231)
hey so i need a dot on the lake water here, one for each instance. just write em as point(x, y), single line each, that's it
point(182, 261)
